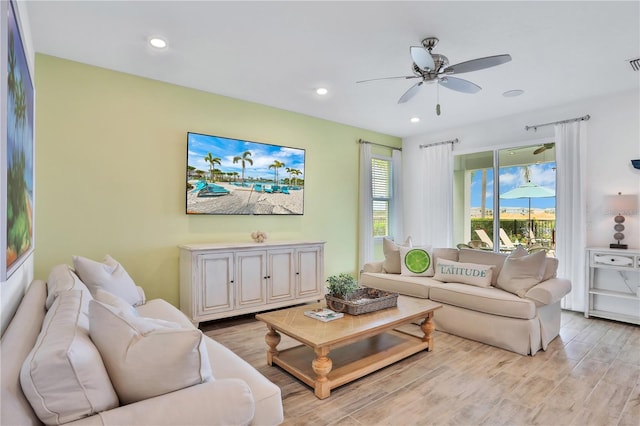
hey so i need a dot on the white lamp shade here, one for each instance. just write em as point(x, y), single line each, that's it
point(626, 205)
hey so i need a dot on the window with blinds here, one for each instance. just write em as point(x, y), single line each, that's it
point(381, 195)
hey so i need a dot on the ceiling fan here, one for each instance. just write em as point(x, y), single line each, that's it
point(432, 67)
point(543, 148)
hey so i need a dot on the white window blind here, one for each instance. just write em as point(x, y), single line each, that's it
point(381, 195)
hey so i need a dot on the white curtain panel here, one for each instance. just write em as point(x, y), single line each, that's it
point(366, 210)
point(436, 190)
point(396, 228)
point(571, 209)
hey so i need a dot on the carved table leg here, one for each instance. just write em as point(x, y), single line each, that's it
point(428, 326)
point(322, 367)
point(272, 338)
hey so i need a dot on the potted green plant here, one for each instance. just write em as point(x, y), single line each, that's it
point(341, 286)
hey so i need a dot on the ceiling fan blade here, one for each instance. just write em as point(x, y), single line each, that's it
point(459, 85)
point(421, 57)
point(404, 77)
point(477, 64)
point(410, 93)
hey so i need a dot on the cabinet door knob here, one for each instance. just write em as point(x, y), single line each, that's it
point(231, 281)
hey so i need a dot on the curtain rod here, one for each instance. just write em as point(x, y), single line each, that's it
point(535, 126)
point(427, 145)
point(378, 144)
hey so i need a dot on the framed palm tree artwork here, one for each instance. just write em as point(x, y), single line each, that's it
point(17, 158)
point(234, 176)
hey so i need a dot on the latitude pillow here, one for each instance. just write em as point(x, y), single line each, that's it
point(466, 273)
point(146, 357)
point(522, 271)
point(109, 276)
point(391, 250)
point(416, 261)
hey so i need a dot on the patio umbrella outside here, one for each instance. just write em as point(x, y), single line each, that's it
point(529, 190)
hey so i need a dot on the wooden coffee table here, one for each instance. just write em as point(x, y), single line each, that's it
point(359, 345)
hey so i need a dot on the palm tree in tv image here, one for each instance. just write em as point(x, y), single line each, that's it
point(245, 158)
point(212, 162)
point(276, 165)
point(292, 173)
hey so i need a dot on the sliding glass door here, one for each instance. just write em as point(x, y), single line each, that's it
point(522, 212)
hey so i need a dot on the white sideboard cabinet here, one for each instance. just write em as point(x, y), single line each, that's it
point(227, 279)
point(613, 289)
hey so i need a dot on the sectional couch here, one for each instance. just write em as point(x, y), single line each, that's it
point(100, 354)
point(509, 301)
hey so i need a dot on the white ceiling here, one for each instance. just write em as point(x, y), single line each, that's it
point(277, 53)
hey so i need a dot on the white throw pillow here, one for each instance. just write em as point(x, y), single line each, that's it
point(466, 273)
point(391, 250)
point(117, 302)
point(109, 276)
point(63, 376)
point(416, 261)
point(522, 271)
point(147, 357)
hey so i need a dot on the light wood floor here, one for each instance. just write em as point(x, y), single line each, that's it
point(589, 375)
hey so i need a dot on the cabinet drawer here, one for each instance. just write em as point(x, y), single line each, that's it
point(612, 260)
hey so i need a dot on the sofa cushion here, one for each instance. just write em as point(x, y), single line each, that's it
point(484, 257)
point(147, 357)
point(445, 253)
point(416, 261)
point(521, 272)
point(466, 273)
point(391, 252)
point(161, 309)
point(62, 278)
point(109, 276)
point(410, 286)
point(64, 377)
point(487, 300)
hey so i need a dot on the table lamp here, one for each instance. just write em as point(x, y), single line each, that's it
point(620, 205)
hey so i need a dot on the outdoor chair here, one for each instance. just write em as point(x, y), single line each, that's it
point(484, 238)
point(506, 241)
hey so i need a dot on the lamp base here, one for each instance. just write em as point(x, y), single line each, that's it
point(619, 246)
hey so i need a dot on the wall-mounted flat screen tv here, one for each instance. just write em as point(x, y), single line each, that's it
point(237, 177)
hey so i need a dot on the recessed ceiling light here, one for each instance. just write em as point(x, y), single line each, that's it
point(415, 119)
point(321, 91)
point(157, 42)
point(512, 93)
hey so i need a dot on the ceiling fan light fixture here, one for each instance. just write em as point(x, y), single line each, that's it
point(513, 93)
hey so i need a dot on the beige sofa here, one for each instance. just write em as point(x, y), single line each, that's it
point(522, 323)
point(226, 390)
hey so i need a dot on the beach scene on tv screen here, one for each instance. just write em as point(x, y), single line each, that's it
point(233, 176)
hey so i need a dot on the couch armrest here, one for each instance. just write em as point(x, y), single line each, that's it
point(221, 402)
point(549, 291)
point(373, 267)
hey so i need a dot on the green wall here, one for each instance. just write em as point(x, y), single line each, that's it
point(110, 173)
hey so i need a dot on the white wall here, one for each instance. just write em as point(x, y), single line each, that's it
point(613, 140)
point(12, 290)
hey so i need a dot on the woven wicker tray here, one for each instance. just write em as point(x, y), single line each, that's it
point(362, 301)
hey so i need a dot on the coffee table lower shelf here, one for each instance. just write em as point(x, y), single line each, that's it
point(347, 363)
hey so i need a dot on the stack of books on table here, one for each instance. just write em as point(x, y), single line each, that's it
point(324, 314)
